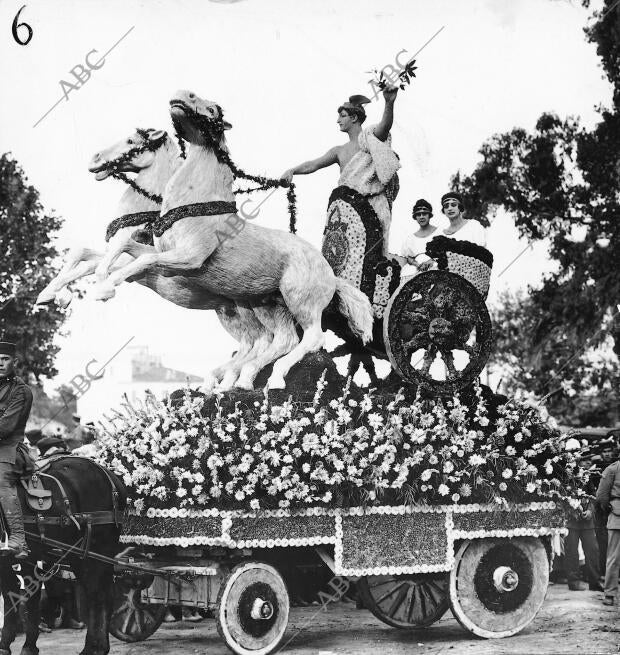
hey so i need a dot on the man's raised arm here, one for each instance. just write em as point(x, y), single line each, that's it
point(385, 125)
point(329, 158)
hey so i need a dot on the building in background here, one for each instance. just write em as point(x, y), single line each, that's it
point(131, 373)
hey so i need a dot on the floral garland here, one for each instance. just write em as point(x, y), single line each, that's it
point(357, 449)
point(212, 130)
point(115, 165)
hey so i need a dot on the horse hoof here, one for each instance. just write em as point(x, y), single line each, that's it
point(64, 298)
point(28, 650)
point(44, 298)
point(276, 382)
point(104, 293)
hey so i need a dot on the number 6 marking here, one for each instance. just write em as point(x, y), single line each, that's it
point(17, 25)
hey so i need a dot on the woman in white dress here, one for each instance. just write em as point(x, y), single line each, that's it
point(460, 228)
point(414, 248)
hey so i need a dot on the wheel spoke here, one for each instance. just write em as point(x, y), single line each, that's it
point(412, 603)
point(128, 617)
point(448, 360)
point(139, 614)
point(429, 358)
point(434, 592)
point(398, 601)
point(121, 610)
point(380, 583)
point(392, 591)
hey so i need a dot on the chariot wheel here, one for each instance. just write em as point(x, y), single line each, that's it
point(133, 620)
point(437, 331)
point(252, 609)
point(497, 586)
point(406, 601)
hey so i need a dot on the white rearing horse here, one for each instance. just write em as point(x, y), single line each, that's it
point(257, 262)
point(154, 157)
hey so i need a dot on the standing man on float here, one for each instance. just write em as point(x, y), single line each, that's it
point(367, 162)
point(15, 405)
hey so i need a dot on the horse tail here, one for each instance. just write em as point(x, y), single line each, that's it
point(356, 308)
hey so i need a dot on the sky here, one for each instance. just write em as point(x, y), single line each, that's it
point(280, 69)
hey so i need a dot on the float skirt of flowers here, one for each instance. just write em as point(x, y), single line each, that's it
point(382, 540)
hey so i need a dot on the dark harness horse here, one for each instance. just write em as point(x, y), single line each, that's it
point(75, 524)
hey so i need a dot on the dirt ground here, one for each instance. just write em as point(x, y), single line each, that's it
point(569, 622)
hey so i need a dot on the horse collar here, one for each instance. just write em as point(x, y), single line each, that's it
point(212, 208)
point(137, 218)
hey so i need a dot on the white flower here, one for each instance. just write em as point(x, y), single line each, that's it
point(433, 459)
point(443, 490)
point(510, 450)
point(181, 492)
point(375, 420)
point(530, 487)
point(448, 467)
point(476, 460)
point(503, 486)
point(507, 473)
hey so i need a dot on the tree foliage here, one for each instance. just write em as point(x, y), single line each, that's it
point(27, 265)
point(561, 182)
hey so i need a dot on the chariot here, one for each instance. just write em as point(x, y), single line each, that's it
point(434, 328)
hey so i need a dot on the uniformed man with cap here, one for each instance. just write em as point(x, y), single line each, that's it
point(15, 404)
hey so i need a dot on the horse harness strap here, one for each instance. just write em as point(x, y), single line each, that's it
point(133, 220)
point(212, 208)
point(40, 499)
point(103, 517)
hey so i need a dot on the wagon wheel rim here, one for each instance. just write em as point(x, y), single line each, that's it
point(253, 609)
point(407, 602)
point(497, 586)
point(132, 619)
point(433, 320)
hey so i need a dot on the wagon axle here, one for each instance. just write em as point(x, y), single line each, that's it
point(505, 579)
point(261, 610)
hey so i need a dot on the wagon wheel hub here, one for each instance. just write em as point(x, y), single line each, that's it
point(261, 610)
point(441, 332)
point(505, 579)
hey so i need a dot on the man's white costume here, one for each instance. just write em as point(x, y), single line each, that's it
point(370, 172)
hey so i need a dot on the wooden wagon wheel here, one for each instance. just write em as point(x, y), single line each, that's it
point(406, 601)
point(252, 609)
point(437, 315)
point(133, 620)
point(498, 585)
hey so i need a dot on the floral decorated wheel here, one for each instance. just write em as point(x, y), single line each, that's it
point(133, 620)
point(406, 601)
point(252, 609)
point(437, 331)
point(497, 586)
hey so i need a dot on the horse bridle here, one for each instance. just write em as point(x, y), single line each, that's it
point(148, 146)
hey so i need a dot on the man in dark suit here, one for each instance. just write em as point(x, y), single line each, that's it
point(15, 404)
